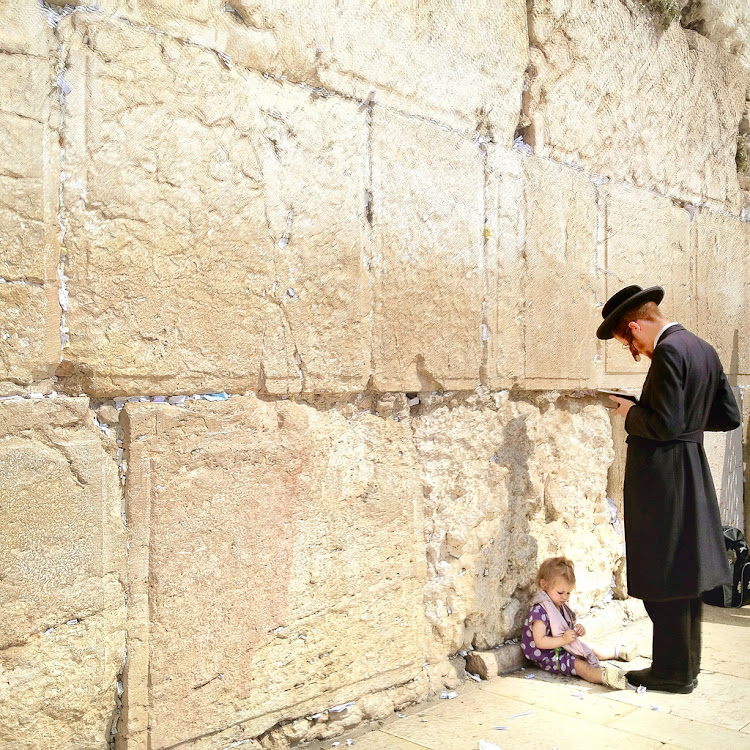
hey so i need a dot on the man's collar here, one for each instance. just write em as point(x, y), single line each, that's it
point(659, 335)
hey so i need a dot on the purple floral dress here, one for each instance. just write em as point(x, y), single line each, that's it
point(551, 660)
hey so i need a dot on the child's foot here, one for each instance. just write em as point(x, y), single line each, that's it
point(614, 677)
point(627, 651)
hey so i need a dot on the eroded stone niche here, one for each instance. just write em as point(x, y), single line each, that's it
point(297, 362)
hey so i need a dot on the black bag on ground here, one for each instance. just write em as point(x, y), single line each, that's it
point(738, 556)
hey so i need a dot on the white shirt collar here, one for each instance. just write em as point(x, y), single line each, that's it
point(659, 335)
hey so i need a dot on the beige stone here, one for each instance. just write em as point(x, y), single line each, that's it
point(508, 484)
point(725, 22)
point(612, 92)
point(228, 255)
point(459, 66)
point(62, 594)
point(427, 263)
point(29, 335)
point(646, 241)
point(560, 281)
point(489, 664)
point(505, 267)
point(282, 543)
point(29, 186)
point(472, 716)
point(540, 272)
point(723, 287)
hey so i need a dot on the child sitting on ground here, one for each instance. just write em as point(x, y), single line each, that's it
point(550, 636)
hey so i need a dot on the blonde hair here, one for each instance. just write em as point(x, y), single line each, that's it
point(556, 567)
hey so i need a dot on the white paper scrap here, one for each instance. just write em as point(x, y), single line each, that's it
point(523, 713)
point(529, 677)
point(577, 694)
point(640, 689)
point(474, 677)
point(449, 695)
point(484, 745)
point(341, 707)
point(499, 727)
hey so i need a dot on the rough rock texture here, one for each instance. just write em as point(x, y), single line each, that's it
point(460, 65)
point(725, 22)
point(62, 596)
point(612, 92)
point(29, 186)
point(228, 253)
point(428, 245)
point(279, 541)
point(509, 483)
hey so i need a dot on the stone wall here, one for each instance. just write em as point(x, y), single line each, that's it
point(297, 353)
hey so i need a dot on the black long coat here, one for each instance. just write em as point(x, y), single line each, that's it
point(673, 533)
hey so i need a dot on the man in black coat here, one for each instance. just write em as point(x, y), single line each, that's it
point(673, 533)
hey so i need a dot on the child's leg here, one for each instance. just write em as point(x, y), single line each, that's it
point(589, 673)
point(604, 652)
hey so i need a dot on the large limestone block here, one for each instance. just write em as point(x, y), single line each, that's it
point(559, 283)
point(507, 483)
point(216, 223)
point(428, 256)
point(506, 266)
point(62, 593)
point(29, 187)
point(646, 241)
point(725, 22)
point(611, 91)
point(723, 317)
point(29, 335)
point(283, 544)
point(540, 298)
point(461, 65)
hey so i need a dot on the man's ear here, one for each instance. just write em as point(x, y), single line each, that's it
point(634, 326)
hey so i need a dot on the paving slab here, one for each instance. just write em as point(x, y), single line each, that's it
point(571, 696)
point(382, 741)
point(460, 723)
point(678, 731)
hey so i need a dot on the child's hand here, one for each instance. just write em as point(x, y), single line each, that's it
point(568, 637)
point(580, 630)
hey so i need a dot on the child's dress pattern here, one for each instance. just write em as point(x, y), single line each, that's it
point(551, 660)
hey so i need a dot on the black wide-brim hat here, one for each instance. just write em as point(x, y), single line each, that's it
point(626, 299)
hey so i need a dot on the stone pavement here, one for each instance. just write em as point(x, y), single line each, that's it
point(544, 712)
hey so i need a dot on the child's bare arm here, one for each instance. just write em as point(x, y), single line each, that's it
point(538, 631)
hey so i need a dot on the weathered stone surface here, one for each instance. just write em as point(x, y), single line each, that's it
point(645, 240)
point(541, 276)
point(723, 276)
point(560, 280)
point(283, 543)
point(507, 484)
point(29, 186)
point(62, 595)
point(228, 254)
point(29, 335)
point(489, 664)
point(427, 264)
point(725, 22)
point(505, 267)
point(611, 91)
point(464, 68)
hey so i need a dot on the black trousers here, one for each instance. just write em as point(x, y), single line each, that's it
point(677, 639)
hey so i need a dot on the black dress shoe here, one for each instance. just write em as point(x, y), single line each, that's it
point(646, 679)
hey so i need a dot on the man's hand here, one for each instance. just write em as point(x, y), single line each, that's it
point(623, 406)
point(568, 637)
point(580, 630)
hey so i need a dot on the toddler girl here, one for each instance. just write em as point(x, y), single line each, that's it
point(550, 632)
